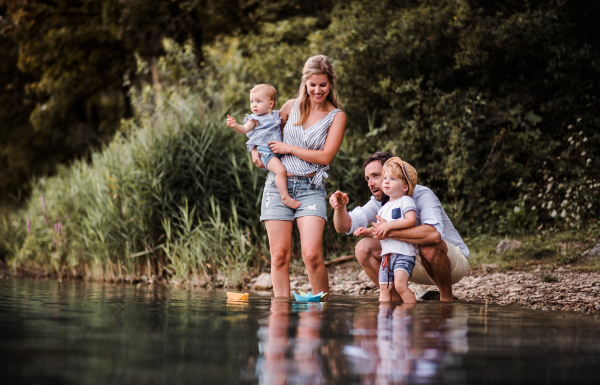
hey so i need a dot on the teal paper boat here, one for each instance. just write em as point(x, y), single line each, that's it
point(308, 297)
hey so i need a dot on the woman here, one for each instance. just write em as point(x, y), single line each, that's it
point(313, 127)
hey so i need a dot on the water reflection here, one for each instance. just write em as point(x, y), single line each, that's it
point(290, 347)
point(396, 343)
point(84, 333)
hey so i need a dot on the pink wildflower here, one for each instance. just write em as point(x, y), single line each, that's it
point(43, 202)
point(28, 227)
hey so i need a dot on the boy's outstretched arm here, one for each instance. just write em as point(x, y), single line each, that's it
point(246, 128)
point(380, 230)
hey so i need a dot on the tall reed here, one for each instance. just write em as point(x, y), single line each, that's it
point(113, 217)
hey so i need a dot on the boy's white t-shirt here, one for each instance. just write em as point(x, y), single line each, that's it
point(394, 211)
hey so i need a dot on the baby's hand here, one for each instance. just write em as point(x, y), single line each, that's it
point(231, 122)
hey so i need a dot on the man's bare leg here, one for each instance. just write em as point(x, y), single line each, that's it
point(368, 252)
point(435, 261)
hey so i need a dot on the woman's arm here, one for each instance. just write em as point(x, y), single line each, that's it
point(324, 156)
point(284, 113)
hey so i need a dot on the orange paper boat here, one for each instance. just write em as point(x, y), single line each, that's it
point(237, 296)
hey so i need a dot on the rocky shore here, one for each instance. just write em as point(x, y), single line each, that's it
point(563, 289)
point(541, 288)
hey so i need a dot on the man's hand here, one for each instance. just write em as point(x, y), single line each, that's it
point(256, 158)
point(231, 122)
point(338, 200)
point(362, 232)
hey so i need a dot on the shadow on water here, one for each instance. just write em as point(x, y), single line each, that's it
point(83, 333)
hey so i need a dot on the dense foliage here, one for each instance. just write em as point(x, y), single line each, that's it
point(494, 103)
point(68, 67)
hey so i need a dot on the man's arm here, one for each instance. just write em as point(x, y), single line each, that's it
point(384, 229)
point(341, 219)
point(420, 235)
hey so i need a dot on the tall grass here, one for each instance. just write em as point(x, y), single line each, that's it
point(178, 180)
point(176, 192)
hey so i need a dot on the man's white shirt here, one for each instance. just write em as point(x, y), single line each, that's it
point(429, 212)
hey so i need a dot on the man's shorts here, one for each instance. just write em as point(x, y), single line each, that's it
point(266, 154)
point(459, 264)
point(396, 262)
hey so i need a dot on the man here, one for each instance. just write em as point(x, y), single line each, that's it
point(443, 256)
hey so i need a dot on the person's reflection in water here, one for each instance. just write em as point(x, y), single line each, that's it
point(413, 343)
point(394, 342)
point(302, 364)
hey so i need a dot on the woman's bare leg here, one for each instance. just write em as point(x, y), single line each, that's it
point(280, 243)
point(311, 237)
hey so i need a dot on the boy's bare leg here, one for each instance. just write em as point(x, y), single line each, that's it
point(368, 252)
point(385, 293)
point(401, 280)
point(276, 167)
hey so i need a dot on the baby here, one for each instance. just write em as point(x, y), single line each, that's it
point(397, 257)
point(263, 126)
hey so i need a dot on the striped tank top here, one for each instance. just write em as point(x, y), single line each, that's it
point(313, 138)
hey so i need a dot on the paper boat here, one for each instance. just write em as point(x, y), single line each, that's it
point(308, 297)
point(237, 296)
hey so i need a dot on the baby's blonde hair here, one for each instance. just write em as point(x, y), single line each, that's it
point(269, 89)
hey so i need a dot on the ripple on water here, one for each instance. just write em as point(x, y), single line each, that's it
point(89, 333)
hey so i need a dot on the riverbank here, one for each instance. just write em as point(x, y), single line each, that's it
point(543, 289)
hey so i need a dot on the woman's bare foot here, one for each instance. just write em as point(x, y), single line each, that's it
point(290, 202)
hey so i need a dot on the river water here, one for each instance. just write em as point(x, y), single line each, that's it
point(90, 333)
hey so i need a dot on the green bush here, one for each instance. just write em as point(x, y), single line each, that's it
point(107, 217)
point(493, 102)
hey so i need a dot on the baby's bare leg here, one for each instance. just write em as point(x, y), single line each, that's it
point(276, 167)
point(385, 292)
point(401, 283)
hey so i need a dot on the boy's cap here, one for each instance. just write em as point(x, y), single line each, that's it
point(409, 173)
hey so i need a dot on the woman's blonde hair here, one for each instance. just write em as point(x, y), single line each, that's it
point(316, 65)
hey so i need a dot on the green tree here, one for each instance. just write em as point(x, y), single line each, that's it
point(77, 63)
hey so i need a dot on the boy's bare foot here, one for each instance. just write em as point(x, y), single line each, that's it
point(290, 202)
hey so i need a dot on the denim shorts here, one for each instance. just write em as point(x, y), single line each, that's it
point(396, 262)
point(266, 154)
point(301, 189)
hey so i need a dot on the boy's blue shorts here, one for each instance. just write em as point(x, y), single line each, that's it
point(266, 154)
point(396, 262)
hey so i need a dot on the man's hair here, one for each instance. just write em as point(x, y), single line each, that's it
point(380, 156)
point(269, 89)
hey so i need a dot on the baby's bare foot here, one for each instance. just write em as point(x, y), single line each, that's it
point(290, 202)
